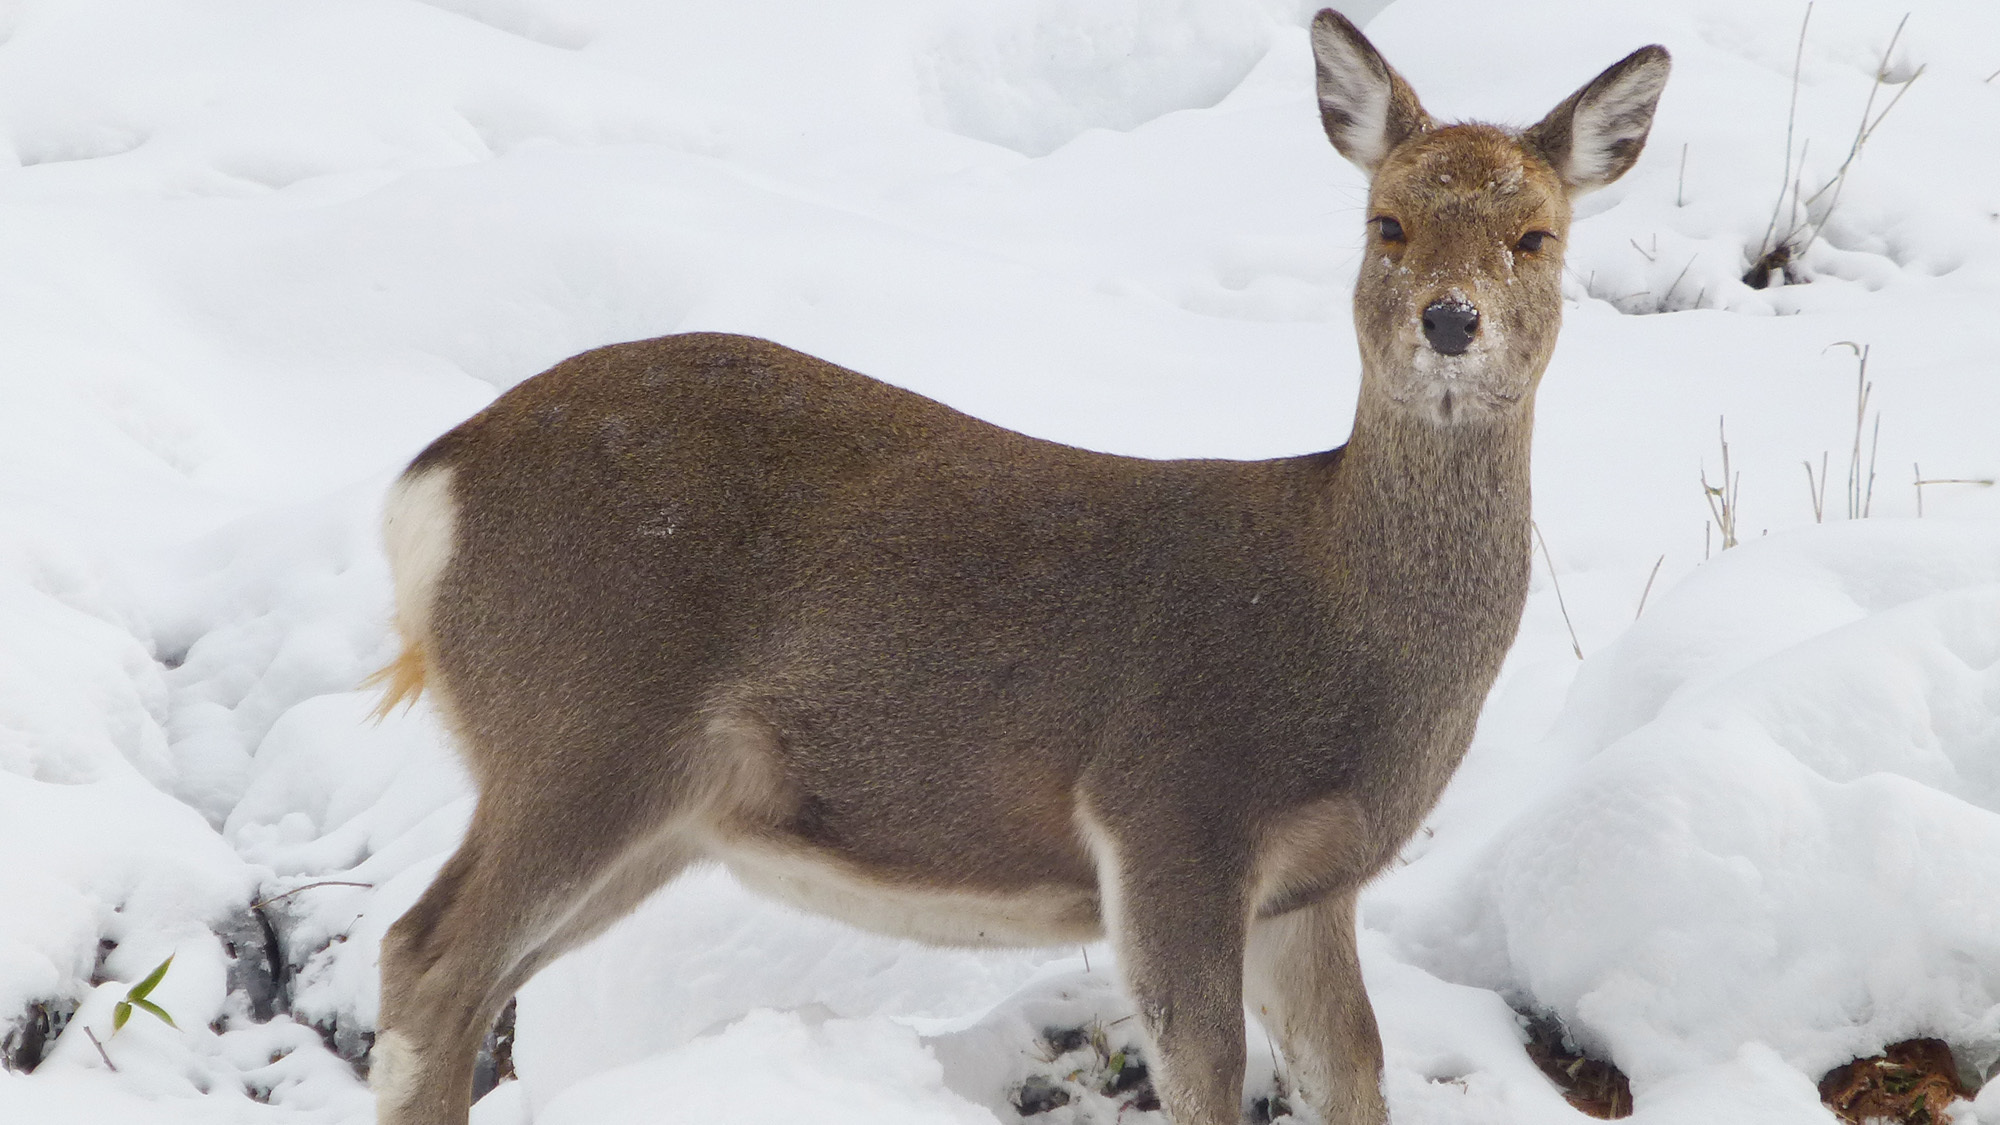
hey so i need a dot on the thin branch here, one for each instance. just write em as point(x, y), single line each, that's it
point(1680, 185)
point(263, 902)
point(1574, 645)
point(100, 1050)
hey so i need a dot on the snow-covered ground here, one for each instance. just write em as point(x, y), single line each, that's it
point(254, 255)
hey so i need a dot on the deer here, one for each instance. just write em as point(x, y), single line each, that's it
point(706, 599)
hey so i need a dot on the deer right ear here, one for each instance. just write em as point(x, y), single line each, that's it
point(1365, 105)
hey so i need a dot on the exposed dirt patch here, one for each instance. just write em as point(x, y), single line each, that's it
point(24, 1043)
point(1086, 1065)
point(1593, 1086)
point(1909, 1082)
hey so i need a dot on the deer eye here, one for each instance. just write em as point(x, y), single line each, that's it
point(1391, 230)
point(1532, 241)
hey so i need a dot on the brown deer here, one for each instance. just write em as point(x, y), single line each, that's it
point(703, 598)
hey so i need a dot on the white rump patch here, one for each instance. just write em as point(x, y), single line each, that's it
point(419, 532)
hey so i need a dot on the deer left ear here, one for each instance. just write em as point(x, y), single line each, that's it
point(1597, 133)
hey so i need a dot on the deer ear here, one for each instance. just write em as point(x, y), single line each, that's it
point(1365, 105)
point(1597, 133)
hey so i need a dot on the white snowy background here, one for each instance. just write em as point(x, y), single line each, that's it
point(253, 255)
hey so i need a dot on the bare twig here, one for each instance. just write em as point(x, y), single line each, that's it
point(1992, 76)
point(1574, 645)
point(1649, 587)
point(1680, 185)
point(1642, 250)
point(263, 902)
point(100, 1050)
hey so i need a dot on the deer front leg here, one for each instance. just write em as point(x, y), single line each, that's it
point(1303, 976)
point(1178, 926)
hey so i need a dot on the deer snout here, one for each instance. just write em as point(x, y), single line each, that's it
point(1450, 325)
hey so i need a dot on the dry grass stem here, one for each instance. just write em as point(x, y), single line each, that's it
point(1804, 221)
point(1862, 132)
point(1921, 481)
point(1816, 492)
point(1722, 498)
point(1791, 123)
point(1678, 278)
point(1649, 587)
point(1574, 645)
point(1860, 486)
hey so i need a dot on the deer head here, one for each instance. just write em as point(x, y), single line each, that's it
point(1460, 293)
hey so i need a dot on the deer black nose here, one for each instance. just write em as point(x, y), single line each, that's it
point(1450, 326)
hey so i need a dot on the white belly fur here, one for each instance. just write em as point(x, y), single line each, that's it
point(1052, 915)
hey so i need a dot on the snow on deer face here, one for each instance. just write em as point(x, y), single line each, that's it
point(1460, 293)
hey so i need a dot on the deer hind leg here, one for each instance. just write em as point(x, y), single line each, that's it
point(1179, 932)
point(528, 883)
point(1302, 974)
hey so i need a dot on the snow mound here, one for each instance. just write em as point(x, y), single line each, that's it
point(778, 1068)
point(1776, 819)
point(1032, 74)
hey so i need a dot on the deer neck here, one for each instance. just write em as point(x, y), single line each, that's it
point(1434, 520)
